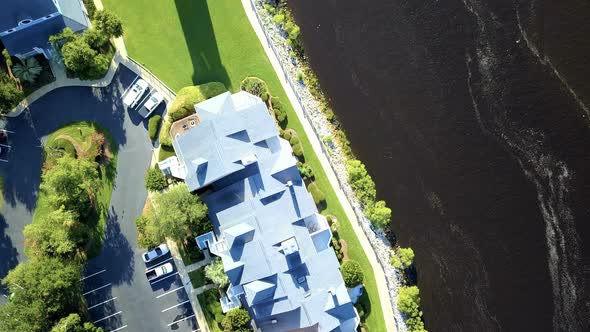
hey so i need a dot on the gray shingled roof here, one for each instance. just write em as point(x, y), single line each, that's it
point(272, 241)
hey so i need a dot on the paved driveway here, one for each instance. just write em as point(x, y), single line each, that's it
point(119, 269)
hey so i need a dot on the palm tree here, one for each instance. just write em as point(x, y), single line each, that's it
point(28, 70)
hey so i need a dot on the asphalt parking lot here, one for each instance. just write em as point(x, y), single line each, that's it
point(163, 303)
point(117, 293)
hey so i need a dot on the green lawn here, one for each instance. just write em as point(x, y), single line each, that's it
point(209, 301)
point(198, 277)
point(196, 41)
point(81, 131)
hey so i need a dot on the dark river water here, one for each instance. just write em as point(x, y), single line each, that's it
point(473, 118)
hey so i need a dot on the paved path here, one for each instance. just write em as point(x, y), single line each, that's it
point(385, 300)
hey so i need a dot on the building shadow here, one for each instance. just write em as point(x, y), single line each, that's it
point(199, 35)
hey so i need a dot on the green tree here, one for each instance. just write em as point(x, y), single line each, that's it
point(352, 273)
point(108, 23)
point(10, 94)
point(67, 35)
point(216, 274)
point(73, 323)
point(402, 258)
point(28, 70)
point(379, 214)
point(408, 302)
point(236, 320)
point(71, 183)
point(147, 233)
point(59, 234)
point(78, 56)
point(155, 180)
point(96, 39)
point(44, 290)
point(178, 214)
point(361, 182)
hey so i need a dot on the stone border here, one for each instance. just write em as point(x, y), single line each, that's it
point(336, 157)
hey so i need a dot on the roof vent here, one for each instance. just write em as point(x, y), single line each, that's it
point(25, 21)
point(332, 291)
point(289, 183)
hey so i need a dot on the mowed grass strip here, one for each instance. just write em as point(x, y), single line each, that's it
point(80, 132)
point(188, 42)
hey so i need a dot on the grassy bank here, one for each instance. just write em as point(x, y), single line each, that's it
point(195, 41)
point(80, 132)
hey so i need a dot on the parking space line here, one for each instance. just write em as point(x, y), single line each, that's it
point(174, 306)
point(109, 316)
point(172, 291)
point(94, 290)
point(159, 264)
point(120, 328)
point(180, 320)
point(101, 303)
point(166, 277)
point(92, 275)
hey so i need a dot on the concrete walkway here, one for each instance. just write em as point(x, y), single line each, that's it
point(385, 300)
point(188, 286)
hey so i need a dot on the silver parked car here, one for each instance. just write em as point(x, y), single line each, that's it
point(150, 105)
point(157, 252)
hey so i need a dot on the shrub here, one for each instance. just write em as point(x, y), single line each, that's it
point(402, 258)
point(279, 113)
point(379, 214)
point(65, 146)
point(300, 76)
point(352, 273)
point(165, 138)
point(83, 61)
point(236, 320)
point(28, 70)
point(294, 140)
point(108, 24)
point(95, 38)
point(255, 86)
point(187, 97)
point(269, 8)
point(153, 125)
point(298, 150)
point(292, 54)
point(10, 94)
point(279, 18)
point(318, 195)
point(155, 180)
point(409, 303)
point(287, 135)
point(216, 274)
point(361, 182)
point(305, 171)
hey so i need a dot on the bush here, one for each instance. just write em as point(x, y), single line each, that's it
point(352, 273)
point(287, 135)
point(255, 86)
point(280, 114)
point(305, 171)
point(187, 97)
point(83, 61)
point(66, 146)
point(165, 139)
point(10, 94)
point(294, 140)
point(108, 24)
point(155, 180)
point(409, 303)
point(153, 125)
point(361, 182)
point(298, 150)
point(236, 320)
point(318, 196)
point(402, 258)
point(279, 18)
point(379, 214)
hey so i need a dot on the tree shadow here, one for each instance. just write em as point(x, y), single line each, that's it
point(116, 253)
point(200, 39)
point(8, 253)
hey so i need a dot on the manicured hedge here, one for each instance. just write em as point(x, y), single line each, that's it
point(187, 97)
point(318, 195)
point(153, 126)
point(255, 86)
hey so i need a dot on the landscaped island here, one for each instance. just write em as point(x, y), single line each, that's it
point(79, 167)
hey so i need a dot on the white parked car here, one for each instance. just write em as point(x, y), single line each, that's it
point(150, 105)
point(161, 270)
point(134, 94)
point(157, 252)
